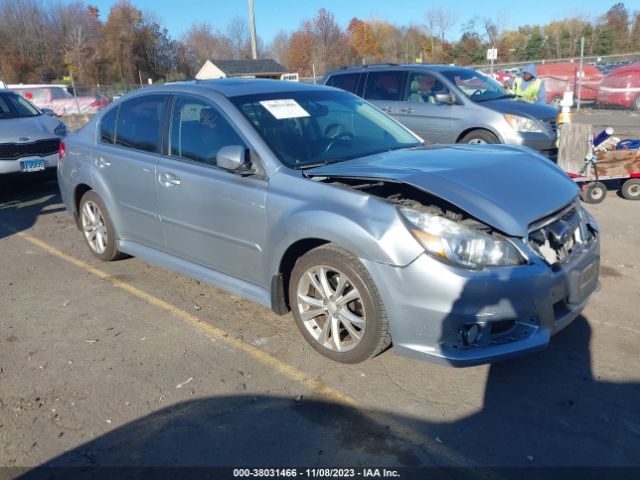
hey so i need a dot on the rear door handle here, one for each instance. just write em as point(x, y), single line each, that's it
point(387, 109)
point(168, 179)
point(407, 110)
point(102, 163)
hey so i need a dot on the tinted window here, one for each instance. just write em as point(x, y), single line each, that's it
point(348, 82)
point(108, 126)
point(198, 131)
point(139, 123)
point(423, 88)
point(60, 94)
point(386, 85)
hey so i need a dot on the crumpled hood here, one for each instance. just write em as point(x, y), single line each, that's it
point(34, 128)
point(503, 186)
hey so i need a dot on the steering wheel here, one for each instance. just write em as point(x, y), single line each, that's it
point(339, 137)
point(478, 92)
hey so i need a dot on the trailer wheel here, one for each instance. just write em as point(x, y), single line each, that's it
point(631, 189)
point(594, 192)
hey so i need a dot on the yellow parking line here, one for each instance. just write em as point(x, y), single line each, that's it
point(450, 457)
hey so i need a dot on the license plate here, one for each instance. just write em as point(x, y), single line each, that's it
point(27, 166)
point(583, 282)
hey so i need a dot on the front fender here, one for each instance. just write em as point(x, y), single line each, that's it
point(363, 224)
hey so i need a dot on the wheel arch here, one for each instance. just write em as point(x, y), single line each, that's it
point(280, 281)
point(479, 128)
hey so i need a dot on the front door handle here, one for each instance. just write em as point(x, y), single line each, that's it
point(102, 163)
point(407, 110)
point(168, 179)
point(387, 109)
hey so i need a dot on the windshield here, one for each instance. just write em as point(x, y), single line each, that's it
point(475, 85)
point(318, 127)
point(14, 106)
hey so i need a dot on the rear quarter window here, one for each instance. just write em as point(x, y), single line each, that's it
point(345, 81)
point(108, 126)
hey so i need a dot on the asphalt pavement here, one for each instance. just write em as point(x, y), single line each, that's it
point(127, 364)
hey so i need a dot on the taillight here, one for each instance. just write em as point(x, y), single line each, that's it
point(61, 150)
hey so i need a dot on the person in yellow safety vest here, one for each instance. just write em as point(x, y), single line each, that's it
point(529, 87)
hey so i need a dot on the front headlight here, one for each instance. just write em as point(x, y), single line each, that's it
point(523, 124)
point(60, 130)
point(458, 244)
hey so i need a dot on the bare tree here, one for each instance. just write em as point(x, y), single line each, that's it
point(239, 39)
point(205, 43)
point(279, 47)
point(440, 22)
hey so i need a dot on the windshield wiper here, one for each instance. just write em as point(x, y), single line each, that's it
point(495, 98)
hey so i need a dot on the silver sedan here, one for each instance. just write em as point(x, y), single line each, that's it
point(309, 199)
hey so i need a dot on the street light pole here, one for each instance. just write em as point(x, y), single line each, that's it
point(252, 27)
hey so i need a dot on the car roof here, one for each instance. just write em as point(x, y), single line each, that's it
point(36, 85)
point(393, 66)
point(233, 87)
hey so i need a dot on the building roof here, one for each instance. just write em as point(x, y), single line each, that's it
point(249, 67)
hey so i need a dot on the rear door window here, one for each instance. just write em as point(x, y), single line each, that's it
point(385, 85)
point(139, 124)
point(345, 81)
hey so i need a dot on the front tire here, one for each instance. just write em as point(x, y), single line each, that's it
point(479, 137)
point(594, 192)
point(337, 306)
point(97, 228)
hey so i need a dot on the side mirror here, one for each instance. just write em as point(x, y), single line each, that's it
point(232, 158)
point(447, 98)
point(48, 111)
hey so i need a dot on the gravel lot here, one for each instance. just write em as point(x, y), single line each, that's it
point(125, 364)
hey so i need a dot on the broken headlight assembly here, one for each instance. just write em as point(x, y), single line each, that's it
point(458, 244)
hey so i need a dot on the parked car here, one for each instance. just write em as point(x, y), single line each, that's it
point(60, 100)
point(29, 139)
point(308, 198)
point(560, 77)
point(445, 104)
point(621, 87)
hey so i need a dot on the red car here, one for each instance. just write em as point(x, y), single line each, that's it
point(560, 77)
point(58, 99)
point(621, 87)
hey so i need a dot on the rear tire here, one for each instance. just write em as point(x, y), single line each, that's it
point(97, 228)
point(337, 306)
point(631, 189)
point(594, 192)
point(479, 137)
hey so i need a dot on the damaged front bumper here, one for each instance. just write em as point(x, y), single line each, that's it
point(433, 307)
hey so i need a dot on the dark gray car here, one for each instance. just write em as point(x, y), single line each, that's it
point(445, 104)
point(309, 199)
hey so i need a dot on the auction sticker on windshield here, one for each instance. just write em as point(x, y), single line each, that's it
point(284, 108)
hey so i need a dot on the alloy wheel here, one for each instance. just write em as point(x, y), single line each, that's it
point(94, 227)
point(331, 308)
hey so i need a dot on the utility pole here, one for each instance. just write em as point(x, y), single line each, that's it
point(580, 73)
point(252, 27)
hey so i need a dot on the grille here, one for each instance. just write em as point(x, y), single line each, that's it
point(553, 125)
point(13, 151)
point(558, 236)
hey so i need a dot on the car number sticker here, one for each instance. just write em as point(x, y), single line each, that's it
point(285, 108)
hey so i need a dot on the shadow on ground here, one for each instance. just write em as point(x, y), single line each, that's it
point(23, 200)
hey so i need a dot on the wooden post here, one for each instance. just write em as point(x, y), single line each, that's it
point(574, 146)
